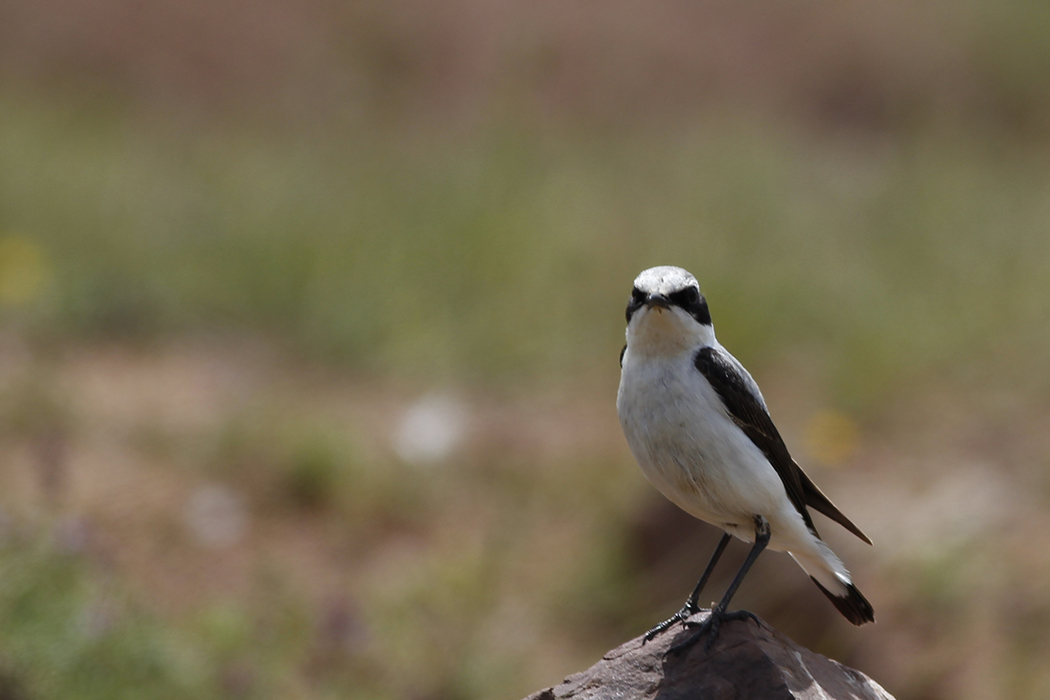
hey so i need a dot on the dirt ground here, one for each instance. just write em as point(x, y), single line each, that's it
point(127, 454)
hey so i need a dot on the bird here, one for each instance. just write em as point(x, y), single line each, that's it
point(698, 426)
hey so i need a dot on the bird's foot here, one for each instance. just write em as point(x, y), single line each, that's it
point(682, 616)
point(710, 627)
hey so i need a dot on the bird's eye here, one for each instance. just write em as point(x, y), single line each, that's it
point(690, 296)
point(637, 295)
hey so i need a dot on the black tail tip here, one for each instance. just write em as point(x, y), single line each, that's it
point(853, 605)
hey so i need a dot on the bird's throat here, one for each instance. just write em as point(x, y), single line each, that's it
point(657, 332)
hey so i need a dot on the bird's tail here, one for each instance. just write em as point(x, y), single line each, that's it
point(852, 604)
point(830, 575)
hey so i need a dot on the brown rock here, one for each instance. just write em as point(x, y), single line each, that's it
point(747, 662)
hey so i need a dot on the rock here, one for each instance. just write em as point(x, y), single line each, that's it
point(747, 662)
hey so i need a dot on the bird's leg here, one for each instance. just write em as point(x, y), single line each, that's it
point(691, 603)
point(718, 615)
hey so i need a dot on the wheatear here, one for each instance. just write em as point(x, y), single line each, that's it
point(700, 430)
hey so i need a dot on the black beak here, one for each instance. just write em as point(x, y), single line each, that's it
point(658, 300)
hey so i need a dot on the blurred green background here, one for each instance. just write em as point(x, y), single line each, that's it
point(309, 317)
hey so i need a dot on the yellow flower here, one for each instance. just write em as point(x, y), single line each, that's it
point(24, 270)
point(831, 437)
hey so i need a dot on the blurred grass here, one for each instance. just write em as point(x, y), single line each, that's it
point(309, 468)
point(509, 255)
point(66, 632)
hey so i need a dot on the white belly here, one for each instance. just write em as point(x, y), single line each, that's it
point(689, 448)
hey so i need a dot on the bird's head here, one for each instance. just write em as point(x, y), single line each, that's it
point(666, 313)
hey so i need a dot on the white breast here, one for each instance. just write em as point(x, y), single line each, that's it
point(689, 448)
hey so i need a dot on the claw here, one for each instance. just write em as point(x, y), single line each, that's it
point(710, 627)
point(681, 616)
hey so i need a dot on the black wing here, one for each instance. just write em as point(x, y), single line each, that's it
point(734, 387)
